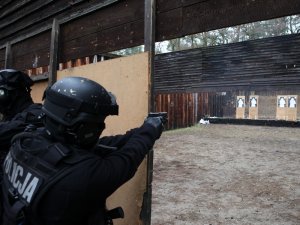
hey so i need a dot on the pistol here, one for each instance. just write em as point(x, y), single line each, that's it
point(162, 115)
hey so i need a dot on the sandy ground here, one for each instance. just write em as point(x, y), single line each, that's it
point(227, 174)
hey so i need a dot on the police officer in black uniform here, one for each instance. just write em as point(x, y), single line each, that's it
point(60, 174)
point(16, 106)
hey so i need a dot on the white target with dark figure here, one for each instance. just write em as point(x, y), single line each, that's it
point(240, 103)
point(281, 102)
point(292, 103)
point(253, 102)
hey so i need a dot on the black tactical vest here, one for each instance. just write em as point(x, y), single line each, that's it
point(29, 172)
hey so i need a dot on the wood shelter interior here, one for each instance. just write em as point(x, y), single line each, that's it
point(42, 36)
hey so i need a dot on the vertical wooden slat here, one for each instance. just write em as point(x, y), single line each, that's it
point(8, 56)
point(176, 110)
point(53, 65)
point(195, 102)
point(172, 101)
point(181, 99)
point(202, 105)
point(191, 110)
point(158, 102)
point(195, 111)
point(183, 103)
point(170, 122)
point(149, 42)
point(187, 109)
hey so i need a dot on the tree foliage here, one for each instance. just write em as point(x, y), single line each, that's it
point(244, 32)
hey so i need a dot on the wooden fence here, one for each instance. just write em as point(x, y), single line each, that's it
point(186, 109)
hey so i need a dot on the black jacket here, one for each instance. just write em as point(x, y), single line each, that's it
point(16, 124)
point(73, 199)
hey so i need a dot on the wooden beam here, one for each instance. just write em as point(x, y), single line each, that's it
point(14, 7)
point(53, 65)
point(215, 14)
point(105, 33)
point(3, 3)
point(24, 11)
point(8, 58)
point(149, 25)
point(54, 10)
point(149, 41)
point(62, 19)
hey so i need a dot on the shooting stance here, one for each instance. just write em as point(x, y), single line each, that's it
point(60, 174)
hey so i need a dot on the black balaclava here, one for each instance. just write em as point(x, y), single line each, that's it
point(14, 92)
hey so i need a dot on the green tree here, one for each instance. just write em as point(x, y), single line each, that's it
point(243, 32)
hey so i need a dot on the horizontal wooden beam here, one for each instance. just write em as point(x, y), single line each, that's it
point(270, 62)
point(104, 41)
point(215, 14)
point(6, 11)
point(62, 18)
point(24, 11)
point(86, 30)
point(3, 3)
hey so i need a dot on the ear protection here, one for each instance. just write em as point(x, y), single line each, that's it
point(4, 96)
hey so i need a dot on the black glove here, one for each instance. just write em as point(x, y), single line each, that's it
point(157, 123)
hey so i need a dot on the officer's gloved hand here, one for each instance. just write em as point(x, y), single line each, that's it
point(157, 123)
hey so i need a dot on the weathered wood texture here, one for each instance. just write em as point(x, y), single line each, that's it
point(202, 82)
point(2, 58)
point(271, 63)
point(118, 26)
point(53, 66)
point(186, 109)
point(186, 106)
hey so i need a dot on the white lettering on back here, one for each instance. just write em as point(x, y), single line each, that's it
point(23, 181)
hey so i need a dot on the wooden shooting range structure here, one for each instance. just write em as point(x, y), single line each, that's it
point(128, 79)
point(52, 39)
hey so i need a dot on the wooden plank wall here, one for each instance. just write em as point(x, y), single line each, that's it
point(179, 91)
point(93, 33)
point(2, 58)
point(205, 82)
point(252, 65)
point(26, 24)
point(186, 109)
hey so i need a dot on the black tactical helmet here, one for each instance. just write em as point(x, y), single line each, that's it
point(12, 81)
point(76, 108)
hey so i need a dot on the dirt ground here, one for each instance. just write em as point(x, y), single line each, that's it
point(227, 175)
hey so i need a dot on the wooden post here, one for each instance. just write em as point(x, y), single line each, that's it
point(149, 41)
point(8, 58)
point(53, 65)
